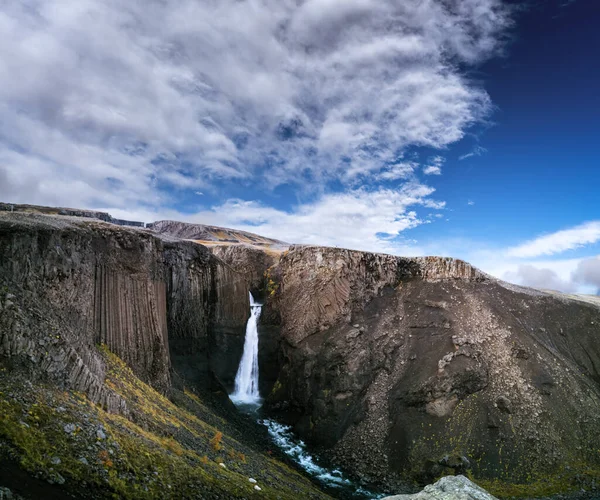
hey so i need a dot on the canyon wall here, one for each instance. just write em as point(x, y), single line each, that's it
point(67, 284)
point(254, 263)
point(409, 368)
point(398, 369)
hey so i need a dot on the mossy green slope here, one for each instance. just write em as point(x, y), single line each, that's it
point(159, 450)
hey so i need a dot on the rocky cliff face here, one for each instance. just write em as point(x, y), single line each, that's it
point(398, 369)
point(255, 263)
point(68, 284)
point(411, 368)
point(249, 261)
point(89, 311)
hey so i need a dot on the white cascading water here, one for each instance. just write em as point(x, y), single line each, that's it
point(247, 398)
point(246, 380)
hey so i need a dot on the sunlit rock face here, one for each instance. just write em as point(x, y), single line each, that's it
point(408, 368)
point(68, 284)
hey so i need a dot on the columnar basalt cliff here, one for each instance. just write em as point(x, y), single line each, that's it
point(406, 369)
point(251, 262)
point(89, 311)
point(68, 284)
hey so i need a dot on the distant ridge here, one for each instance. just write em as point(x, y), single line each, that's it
point(69, 212)
point(205, 234)
point(201, 233)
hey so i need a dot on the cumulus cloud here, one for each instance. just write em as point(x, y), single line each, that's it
point(558, 242)
point(435, 166)
point(115, 104)
point(588, 273)
point(539, 277)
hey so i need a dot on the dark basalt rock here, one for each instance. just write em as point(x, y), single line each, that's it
point(255, 264)
point(408, 368)
point(67, 284)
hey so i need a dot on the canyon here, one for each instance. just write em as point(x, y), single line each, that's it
point(398, 370)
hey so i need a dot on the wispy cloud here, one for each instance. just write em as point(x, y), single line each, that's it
point(107, 104)
point(477, 151)
point(558, 242)
point(401, 170)
point(434, 166)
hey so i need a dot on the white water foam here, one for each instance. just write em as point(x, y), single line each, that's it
point(247, 398)
point(246, 379)
point(284, 438)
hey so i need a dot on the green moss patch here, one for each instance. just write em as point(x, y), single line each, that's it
point(159, 450)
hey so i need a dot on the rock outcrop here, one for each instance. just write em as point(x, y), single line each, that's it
point(448, 488)
point(410, 368)
point(67, 284)
point(251, 262)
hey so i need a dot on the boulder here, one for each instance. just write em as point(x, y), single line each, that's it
point(448, 488)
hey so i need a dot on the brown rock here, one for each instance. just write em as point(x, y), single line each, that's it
point(460, 327)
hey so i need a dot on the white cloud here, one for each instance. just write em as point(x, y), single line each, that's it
point(558, 242)
point(397, 171)
point(435, 166)
point(358, 219)
point(588, 273)
point(542, 278)
point(477, 151)
point(110, 104)
point(432, 170)
point(470, 203)
point(566, 275)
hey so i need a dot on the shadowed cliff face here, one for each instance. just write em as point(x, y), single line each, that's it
point(162, 308)
point(410, 368)
point(398, 368)
point(254, 264)
point(68, 284)
point(251, 256)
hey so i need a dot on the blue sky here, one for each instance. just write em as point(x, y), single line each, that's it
point(464, 128)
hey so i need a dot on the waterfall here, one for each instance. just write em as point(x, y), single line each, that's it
point(246, 380)
point(247, 398)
